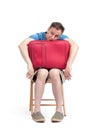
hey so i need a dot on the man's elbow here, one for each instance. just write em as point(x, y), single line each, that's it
point(19, 46)
point(77, 47)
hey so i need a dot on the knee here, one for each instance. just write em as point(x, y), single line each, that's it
point(53, 73)
point(42, 73)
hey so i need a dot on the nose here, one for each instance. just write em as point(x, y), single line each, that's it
point(53, 36)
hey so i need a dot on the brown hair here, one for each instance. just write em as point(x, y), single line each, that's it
point(58, 26)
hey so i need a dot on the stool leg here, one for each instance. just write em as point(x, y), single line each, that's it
point(64, 107)
point(31, 96)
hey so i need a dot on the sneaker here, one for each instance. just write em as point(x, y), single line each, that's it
point(57, 117)
point(38, 117)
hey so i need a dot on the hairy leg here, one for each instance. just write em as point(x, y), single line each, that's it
point(39, 87)
point(56, 87)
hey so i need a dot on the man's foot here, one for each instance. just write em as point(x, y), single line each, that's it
point(57, 117)
point(38, 117)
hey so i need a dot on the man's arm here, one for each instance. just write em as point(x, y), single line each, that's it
point(73, 52)
point(23, 47)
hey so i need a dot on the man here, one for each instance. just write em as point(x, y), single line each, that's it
point(54, 32)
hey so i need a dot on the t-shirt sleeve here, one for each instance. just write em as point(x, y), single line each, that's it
point(62, 37)
point(34, 36)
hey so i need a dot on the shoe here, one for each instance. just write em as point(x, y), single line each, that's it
point(38, 117)
point(57, 117)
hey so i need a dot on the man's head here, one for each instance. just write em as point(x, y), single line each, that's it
point(54, 31)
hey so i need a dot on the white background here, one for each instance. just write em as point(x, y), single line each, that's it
point(21, 18)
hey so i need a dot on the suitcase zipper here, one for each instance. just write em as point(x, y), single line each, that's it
point(44, 55)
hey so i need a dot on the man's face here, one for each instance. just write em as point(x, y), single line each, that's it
point(53, 34)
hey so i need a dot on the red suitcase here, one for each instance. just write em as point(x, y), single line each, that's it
point(49, 54)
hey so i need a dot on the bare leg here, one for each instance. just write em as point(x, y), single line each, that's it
point(56, 87)
point(39, 88)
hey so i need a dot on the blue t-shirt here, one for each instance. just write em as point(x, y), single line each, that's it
point(41, 36)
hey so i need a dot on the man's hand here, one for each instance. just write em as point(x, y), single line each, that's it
point(67, 72)
point(30, 72)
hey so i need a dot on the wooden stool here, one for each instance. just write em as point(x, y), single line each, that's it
point(32, 98)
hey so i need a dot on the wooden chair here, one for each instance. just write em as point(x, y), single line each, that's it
point(31, 107)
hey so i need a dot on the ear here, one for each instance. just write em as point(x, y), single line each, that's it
point(48, 28)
